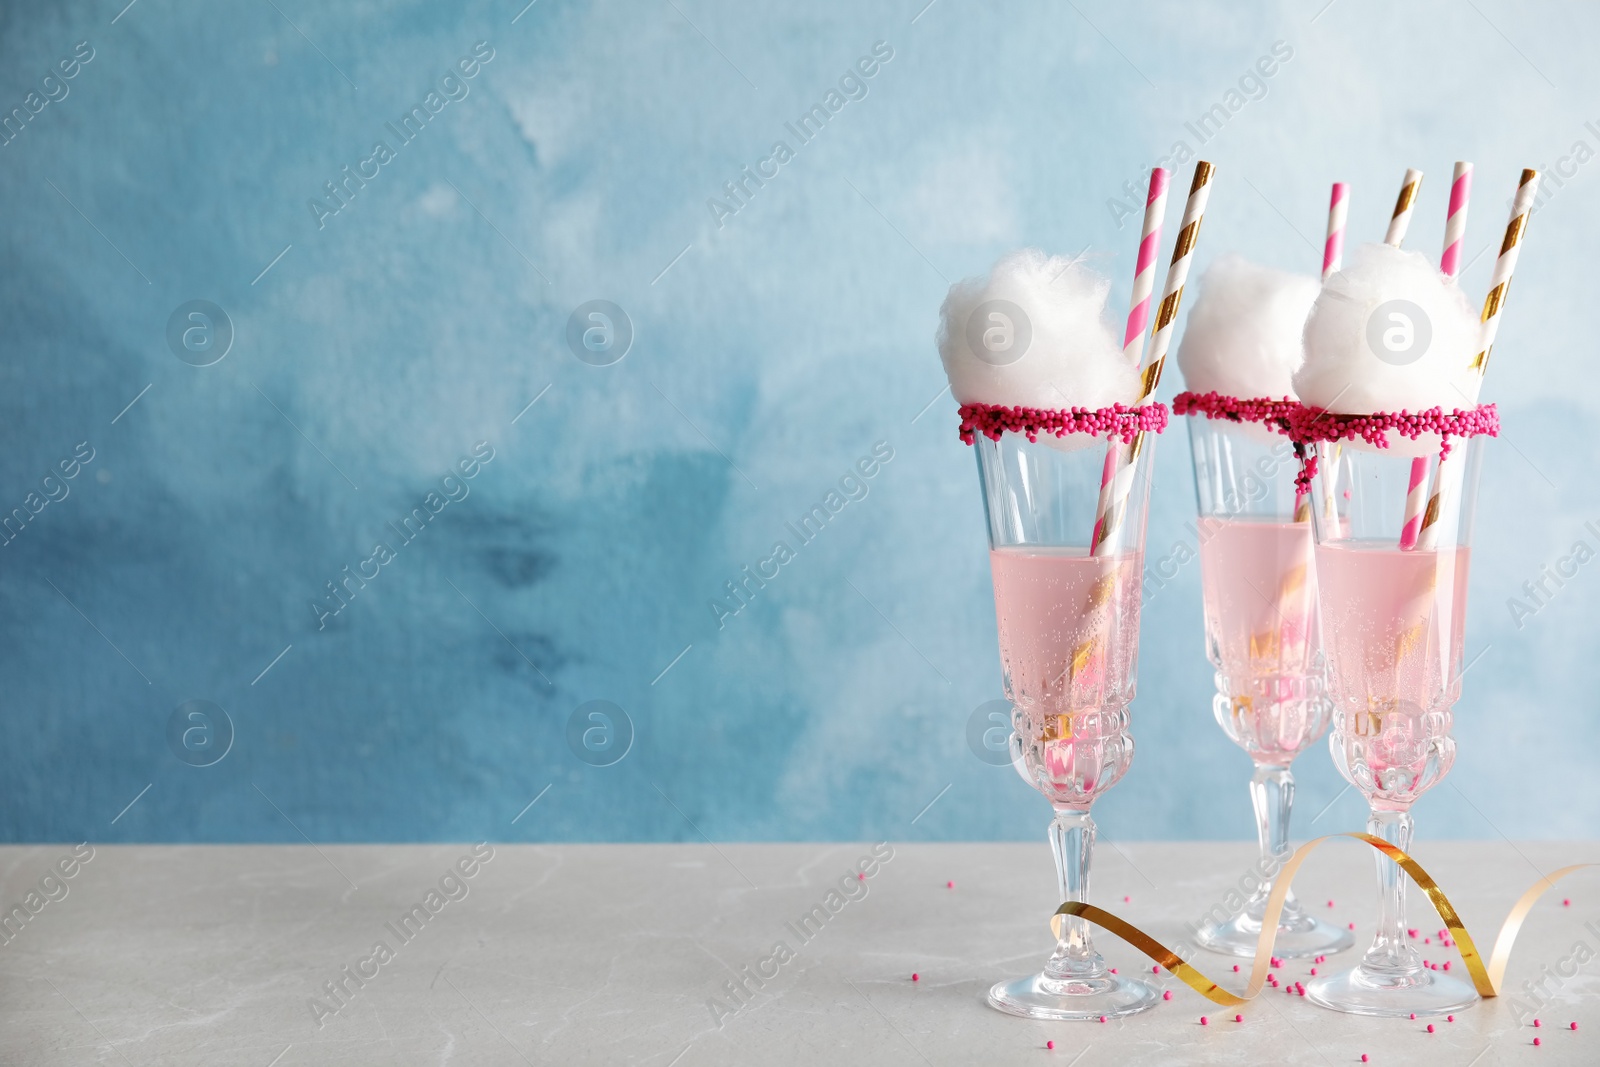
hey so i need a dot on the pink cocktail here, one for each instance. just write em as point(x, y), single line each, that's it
point(1068, 619)
point(1258, 585)
point(1259, 588)
point(1394, 615)
point(1395, 628)
point(1069, 641)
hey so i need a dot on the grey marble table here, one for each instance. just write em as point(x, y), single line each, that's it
point(168, 955)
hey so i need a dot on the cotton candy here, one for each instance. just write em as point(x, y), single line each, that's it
point(1071, 357)
point(1364, 351)
point(1243, 334)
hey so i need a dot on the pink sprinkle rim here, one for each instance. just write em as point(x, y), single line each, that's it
point(1118, 420)
point(1309, 424)
point(1273, 414)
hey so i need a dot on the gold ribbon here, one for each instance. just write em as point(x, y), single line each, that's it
point(1486, 979)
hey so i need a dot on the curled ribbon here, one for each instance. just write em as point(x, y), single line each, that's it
point(1486, 979)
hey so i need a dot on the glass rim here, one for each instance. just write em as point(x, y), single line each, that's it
point(1123, 421)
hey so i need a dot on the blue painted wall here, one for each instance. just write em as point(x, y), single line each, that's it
point(374, 346)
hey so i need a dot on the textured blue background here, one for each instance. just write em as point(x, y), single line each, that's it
point(777, 348)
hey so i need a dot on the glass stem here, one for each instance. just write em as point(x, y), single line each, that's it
point(1391, 951)
point(1272, 793)
point(1072, 841)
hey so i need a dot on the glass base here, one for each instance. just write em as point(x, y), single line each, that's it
point(1299, 936)
point(1070, 999)
point(1362, 992)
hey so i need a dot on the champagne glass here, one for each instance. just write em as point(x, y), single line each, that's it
point(1393, 623)
point(1259, 587)
point(1069, 636)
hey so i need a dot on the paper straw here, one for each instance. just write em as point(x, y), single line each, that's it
point(1455, 230)
point(1108, 520)
point(1455, 226)
point(1332, 260)
point(1510, 249)
point(1177, 274)
point(1333, 248)
point(1493, 305)
point(1416, 500)
point(1400, 221)
point(1144, 283)
point(1144, 271)
point(1329, 465)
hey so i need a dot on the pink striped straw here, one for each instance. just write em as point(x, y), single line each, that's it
point(1144, 284)
point(1108, 475)
point(1333, 248)
point(1416, 500)
point(1144, 271)
point(1332, 260)
point(1455, 231)
point(1455, 227)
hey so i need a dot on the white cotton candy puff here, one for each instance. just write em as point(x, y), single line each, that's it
point(1364, 335)
point(1243, 334)
point(1060, 353)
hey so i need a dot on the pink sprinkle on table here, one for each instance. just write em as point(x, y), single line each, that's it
point(1352, 926)
point(1166, 994)
point(1155, 970)
point(1430, 1028)
point(1204, 1021)
point(1411, 933)
point(1113, 970)
point(1127, 900)
point(915, 977)
point(1330, 903)
point(1235, 968)
point(1535, 1041)
point(1049, 1044)
point(860, 877)
point(1449, 1018)
point(1447, 965)
point(1363, 1057)
point(1536, 1022)
point(949, 885)
point(1102, 1018)
point(1565, 903)
point(1238, 1018)
point(1427, 941)
point(1313, 972)
point(1414, 1015)
point(1573, 1026)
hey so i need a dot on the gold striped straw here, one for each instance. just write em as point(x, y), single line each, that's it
point(1400, 221)
point(1109, 522)
point(1510, 249)
point(1177, 273)
point(1493, 306)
